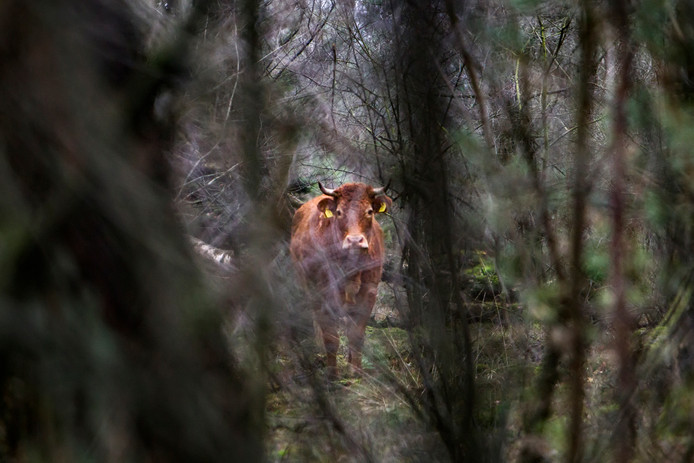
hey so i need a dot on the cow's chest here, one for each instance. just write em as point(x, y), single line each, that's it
point(351, 288)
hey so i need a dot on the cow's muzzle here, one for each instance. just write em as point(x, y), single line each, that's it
point(357, 241)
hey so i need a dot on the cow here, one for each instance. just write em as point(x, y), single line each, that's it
point(338, 251)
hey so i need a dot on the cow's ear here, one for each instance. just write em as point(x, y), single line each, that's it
point(382, 203)
point(327, 206)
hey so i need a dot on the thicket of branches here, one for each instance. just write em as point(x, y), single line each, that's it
point(549, 141)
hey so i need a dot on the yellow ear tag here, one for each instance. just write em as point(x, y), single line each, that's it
point(328, 213)
point(382, 208)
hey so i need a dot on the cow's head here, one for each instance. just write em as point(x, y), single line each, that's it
point(351, 209)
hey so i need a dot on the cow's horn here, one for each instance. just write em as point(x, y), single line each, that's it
point(382, 190)
point(326, 191)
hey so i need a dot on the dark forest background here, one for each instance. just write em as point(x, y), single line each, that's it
point(537, 299)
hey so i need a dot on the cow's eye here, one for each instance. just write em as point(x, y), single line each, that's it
point(338, 213)
point(369, 212)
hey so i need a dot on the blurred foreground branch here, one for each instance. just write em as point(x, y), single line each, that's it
point(110, 345)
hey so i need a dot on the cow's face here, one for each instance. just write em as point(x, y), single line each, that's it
point(351, 210)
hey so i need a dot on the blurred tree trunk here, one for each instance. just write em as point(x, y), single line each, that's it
point(111, 348)
point(435, 306)
point(566, 337)
point(624, 324)
point(675, 179)
point(575, 310)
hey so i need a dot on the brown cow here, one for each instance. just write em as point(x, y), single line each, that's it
point(337, 247)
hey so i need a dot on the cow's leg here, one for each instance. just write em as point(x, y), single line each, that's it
point(331, 339)
point(358, 317)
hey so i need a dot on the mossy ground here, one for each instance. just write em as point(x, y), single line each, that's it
point(372, 417)
point(369, 417)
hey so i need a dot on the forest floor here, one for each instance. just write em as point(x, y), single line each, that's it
point(372, 417)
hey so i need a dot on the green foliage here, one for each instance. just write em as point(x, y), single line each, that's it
point(597, 259)
point(481, 279)
point(543, 302)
